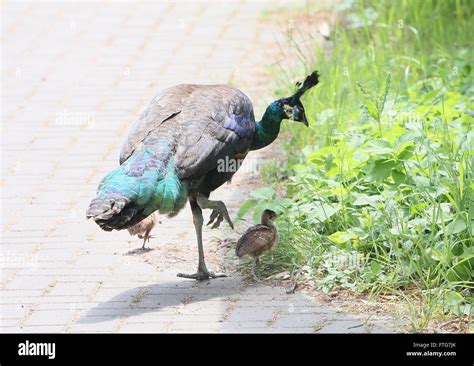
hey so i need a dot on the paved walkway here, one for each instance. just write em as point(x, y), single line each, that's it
point(75, 76)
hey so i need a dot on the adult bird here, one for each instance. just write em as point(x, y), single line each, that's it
point(173, 152)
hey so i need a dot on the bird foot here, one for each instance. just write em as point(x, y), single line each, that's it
point(218, 215)
point(219, 211)
point(201, 275)
point(256, 277)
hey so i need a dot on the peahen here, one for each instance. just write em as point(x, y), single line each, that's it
point(258, 239)
point(173, 151)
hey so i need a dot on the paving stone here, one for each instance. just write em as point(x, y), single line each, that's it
point(51, 317)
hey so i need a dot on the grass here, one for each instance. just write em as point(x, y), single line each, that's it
point(378, 194)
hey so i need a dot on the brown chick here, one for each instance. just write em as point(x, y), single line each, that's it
point(144, 227)
point(258, 239)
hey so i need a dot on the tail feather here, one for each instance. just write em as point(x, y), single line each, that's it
point(169, 188)
point(145, 183)
point(105, 208)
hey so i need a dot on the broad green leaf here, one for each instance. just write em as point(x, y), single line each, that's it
point(379, 147)
point(246, 207)
point(364, 200)
point(421, 223)
point(322, 211)
point(328, 162)
point(408, 137)
point(341, 237)
point(406, 151)
point(376, 267)
point(382, 169)
point(456, 226)
point(462, 271)
point(322, 153)
point(398, 177)
point(264, 193)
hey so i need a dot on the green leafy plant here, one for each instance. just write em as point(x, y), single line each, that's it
point(379, 195)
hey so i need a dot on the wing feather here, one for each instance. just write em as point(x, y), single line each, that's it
point(209, 122)
point(255, 240)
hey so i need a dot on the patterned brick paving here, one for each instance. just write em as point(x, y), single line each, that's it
point(75, 75)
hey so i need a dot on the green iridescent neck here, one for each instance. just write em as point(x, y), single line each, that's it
point(266, 131)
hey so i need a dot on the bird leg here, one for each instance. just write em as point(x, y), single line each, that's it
point(256, 265)
point(219, 211)
point(202, 272)
point(146, 238)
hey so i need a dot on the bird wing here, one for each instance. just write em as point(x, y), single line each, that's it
point(207, 123)
point(163, 107)
point(219, 122)
point(255, 240)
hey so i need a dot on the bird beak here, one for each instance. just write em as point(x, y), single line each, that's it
point(305, 121)
point(299, 115)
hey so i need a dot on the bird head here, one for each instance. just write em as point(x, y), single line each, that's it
point(270, 214)
point(294, 111)
point(292, 106)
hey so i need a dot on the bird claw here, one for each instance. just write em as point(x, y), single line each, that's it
point(214, 215)
point(219, 211)
point(217, 216)
point(201, 275)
